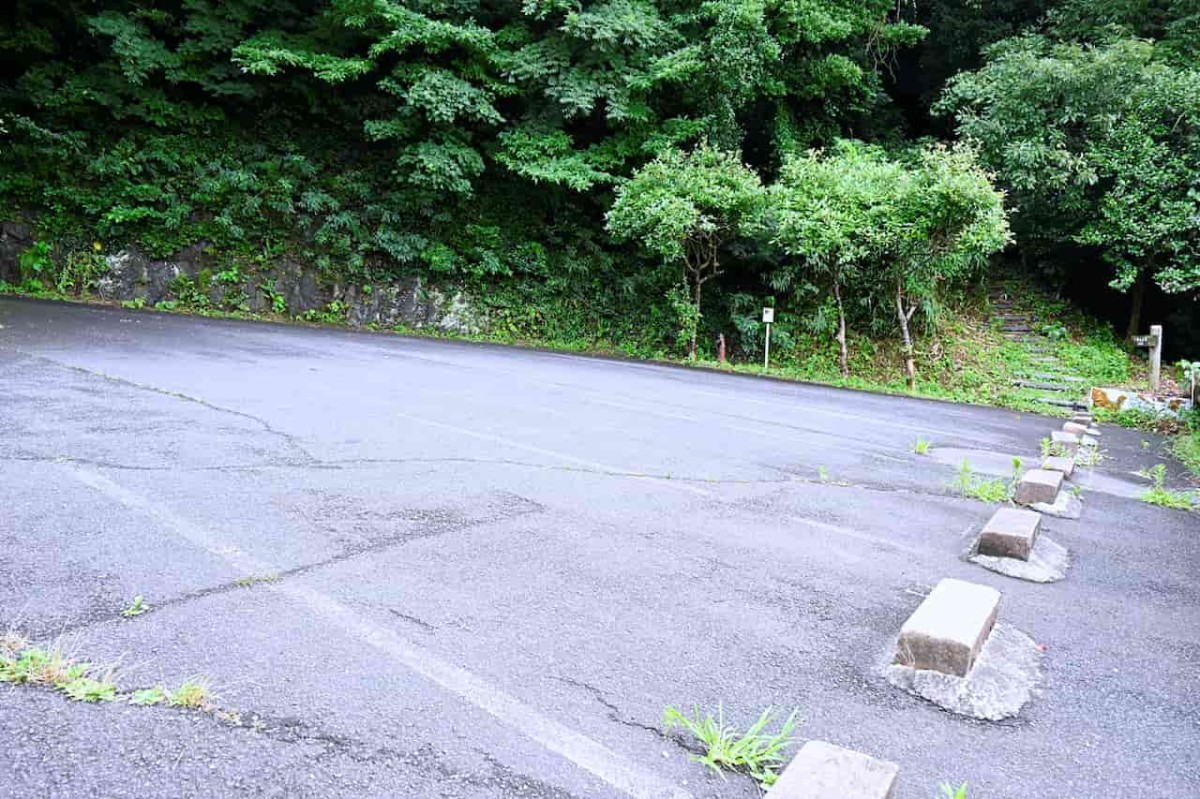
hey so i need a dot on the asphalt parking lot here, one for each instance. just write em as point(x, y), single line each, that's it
point(478, 571)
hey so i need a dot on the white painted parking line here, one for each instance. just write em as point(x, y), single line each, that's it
point(590, 755)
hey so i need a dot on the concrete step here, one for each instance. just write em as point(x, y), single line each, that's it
point(1041, 386)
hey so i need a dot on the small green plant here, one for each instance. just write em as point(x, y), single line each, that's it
point(822, 474)
point(136, 608)
point(193, 694)
point(87, 689)
point(1159, 494)
point(136, 304)
point(755, 752)
point(950, 792)
point(35, 262)
point(920, 446)
point(968, 484)
point(1047, 447)
point(1055, 331)
point(148, 696)
point(275, 298)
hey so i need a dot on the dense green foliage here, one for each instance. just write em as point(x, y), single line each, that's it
point(1100, 144)
point(583, 168)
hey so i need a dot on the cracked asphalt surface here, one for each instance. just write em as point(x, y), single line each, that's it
point(497, 566)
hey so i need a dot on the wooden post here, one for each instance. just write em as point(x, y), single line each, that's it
point(1155, 356)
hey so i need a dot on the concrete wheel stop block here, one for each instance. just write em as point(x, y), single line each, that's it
point(1011, 544)
point(823, 771)
point(952, 652)
point(1038, 485)
point(1075, 428)
point(1065, 442)
point(1057, 463)
point(1010, 533)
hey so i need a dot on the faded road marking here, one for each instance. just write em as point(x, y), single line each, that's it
point(592, 756)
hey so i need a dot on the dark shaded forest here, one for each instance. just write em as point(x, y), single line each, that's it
point(513, 147)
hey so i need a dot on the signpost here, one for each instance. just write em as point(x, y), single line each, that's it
point(768, 318)
point(1153, 342)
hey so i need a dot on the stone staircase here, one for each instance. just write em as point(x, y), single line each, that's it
point(1055, 385)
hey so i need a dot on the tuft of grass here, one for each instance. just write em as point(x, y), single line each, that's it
point(971, 485)
point(22, 664)
point(195, 693)
point(254, 579)
point(1160, 495)
point(754, 752)
point(154, 695)
point(950, 792)
point(37, 666)
point(136, 608)
point(920, 446)
point(822, 474)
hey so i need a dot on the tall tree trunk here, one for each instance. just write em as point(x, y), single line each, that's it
point(1135, 310)
point(910, 368)
point(841, 334)
point(696, 322)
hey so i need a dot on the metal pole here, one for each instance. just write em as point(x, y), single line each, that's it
point(1155, 356)
point(767, 349)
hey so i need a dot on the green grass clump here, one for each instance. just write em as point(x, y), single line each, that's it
point(920, 446)
point(754, 752)
point(195, 693)
point(1187, 449)
point(1160, 495)
point(968, 484)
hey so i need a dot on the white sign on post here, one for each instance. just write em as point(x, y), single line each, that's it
point(768, 318)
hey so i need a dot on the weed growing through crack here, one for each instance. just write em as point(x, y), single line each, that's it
point(1160, 495)
point(22, 664)
point(968, 484)
point(950, 792)
point(88, 689)
point(822, 474)
point(1089, 456)
point(136, 608)
point(194, 693)
point(254, 579)
point(155, 695)
point(920, 446)
point(754, 752)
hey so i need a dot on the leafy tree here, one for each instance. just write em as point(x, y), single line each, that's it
point(683, 207)
point(831, 210)
point(1098, 145)
point(945, 220)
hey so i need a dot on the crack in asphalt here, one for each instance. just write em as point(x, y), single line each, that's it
point(378, 545)
point(614, 712)
point(289, 439)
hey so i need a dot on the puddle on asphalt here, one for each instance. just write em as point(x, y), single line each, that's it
point(999, 464)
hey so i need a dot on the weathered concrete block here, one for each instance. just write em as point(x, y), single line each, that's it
point(1010, 533)
point(1074, 428)
point(823, 771)
point(1038, 485)
point(1065, 442)
point(1056, 463)
point(1081, 418)
point(949, 628)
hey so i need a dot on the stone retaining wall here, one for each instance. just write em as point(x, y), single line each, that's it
point(133, 275)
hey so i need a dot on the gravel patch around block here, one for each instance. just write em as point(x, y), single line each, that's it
point(1003, 681)
point(1048, 562)
point(1065, 506)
